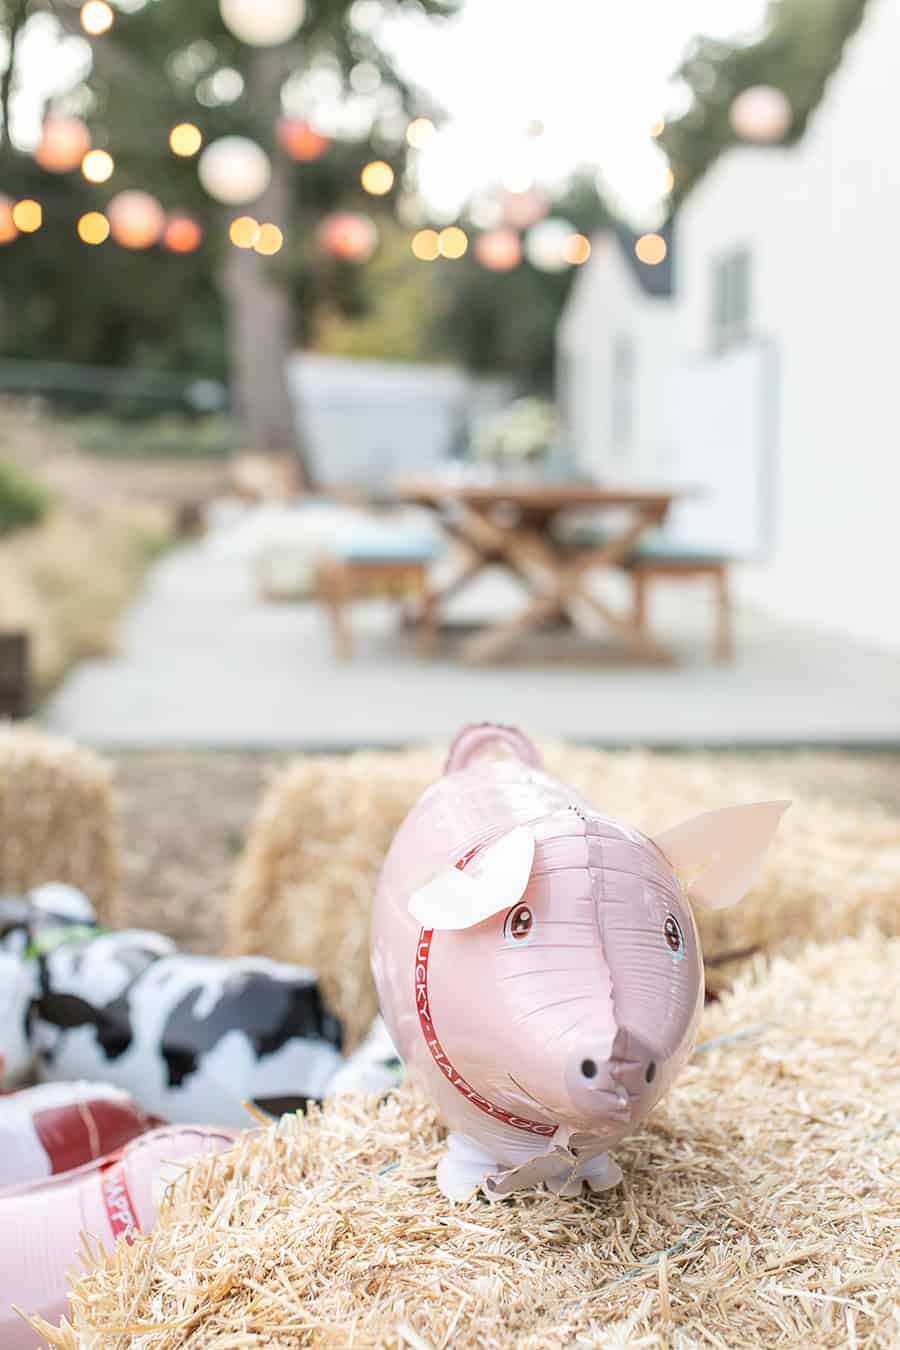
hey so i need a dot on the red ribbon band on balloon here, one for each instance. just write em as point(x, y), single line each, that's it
point(119, 1210)
point(438, 1053)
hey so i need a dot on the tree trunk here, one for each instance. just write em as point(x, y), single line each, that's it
point(259, 313)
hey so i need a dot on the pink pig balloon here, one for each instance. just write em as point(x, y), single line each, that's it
point(538, 964)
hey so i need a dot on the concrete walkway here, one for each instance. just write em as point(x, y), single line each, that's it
point(203, 662)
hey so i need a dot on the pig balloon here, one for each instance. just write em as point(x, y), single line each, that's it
point(538, 964)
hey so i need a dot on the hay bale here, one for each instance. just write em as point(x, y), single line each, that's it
point(58, 817)
point(759, 1208)
point(304, 888)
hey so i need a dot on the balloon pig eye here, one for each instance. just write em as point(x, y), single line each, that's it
point(673, 935)
point(519, 925)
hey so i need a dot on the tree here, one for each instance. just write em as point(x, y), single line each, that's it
point(163, 63)
point(800, 51)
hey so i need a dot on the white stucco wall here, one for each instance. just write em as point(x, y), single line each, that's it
point(607, 304)
point(820, 221)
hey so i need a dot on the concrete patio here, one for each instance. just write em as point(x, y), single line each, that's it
point(204, 663)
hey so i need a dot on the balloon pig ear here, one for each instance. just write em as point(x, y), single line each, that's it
point(724, 849)
point(495, 879)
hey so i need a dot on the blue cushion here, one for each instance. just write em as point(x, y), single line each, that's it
point(656, 546)
point(385, 543)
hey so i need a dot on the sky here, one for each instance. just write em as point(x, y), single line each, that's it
point(596, 73)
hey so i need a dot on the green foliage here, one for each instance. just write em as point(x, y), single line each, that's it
point(23, 500)
point(396, 318)
point(168, 437)
point(62, 300)
point(802, 48)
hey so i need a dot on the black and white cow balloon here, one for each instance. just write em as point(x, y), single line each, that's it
point(190, 1037)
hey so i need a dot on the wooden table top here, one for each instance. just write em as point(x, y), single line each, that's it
point(555, 495)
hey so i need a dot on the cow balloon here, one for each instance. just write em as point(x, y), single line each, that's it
point(538, 963)
point(190, 1037)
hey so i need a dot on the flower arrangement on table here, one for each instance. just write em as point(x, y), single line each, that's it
point(520, 434)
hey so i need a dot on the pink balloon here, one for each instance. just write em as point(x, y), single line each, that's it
point(538, 964)
point(41, 1225)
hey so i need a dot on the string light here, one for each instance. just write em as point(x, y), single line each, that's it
point(301, 141)
point(27, 215)
point(64, 143)
point(269, 241)
point(93, 228)
point(234, 170)
point(761, 114)
point(546, 244)
point(577, 249)
point(185, 140)
point(651, 249)
point(453, 242)
point(182, 234)
point(658, 128)
point(263, 23)
point(96, 17)
point(499, 250)
point(420, 132)
point(426, 245)
point(136, 220)
point(97, 166)
point(8, 230)
point(244, 232)
point(377, 178)
point(347, 236)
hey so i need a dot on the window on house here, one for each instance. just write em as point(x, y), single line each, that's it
point(622, 402)
point(730, 299)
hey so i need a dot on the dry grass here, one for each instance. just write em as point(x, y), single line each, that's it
point(58, 816)
point(759, 1208)
point(304, 887)
point(67, 580)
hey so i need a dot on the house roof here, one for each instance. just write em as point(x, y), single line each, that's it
point(653, 280)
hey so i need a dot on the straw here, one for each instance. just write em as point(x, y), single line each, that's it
point(759, 1208)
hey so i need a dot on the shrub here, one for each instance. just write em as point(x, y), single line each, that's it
point(23, 500)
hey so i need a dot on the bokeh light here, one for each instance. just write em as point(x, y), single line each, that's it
point(761, 114)
point(577, 249)
point(28, 215)
point(63, 145)
point(263, 23)
point(420, 132)
point(499, 250)
point(547, 242)
point(425, 245)
point(183, 234)
point(8, 230)
point(651, 249)
point(93, 228)
point(453, 242)
point(670, 180)
point(98, 166)
point(185, 139)
point(96, 17)
point(234, 170)
point(301, 141)
point(243, 231)
point(136, 220)
point(348, 237)
point(522, 209)
point(270, 240)
point(377, 178)
point(658, 128)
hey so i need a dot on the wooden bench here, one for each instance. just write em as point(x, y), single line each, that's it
point(382, 562)
point(661, 558)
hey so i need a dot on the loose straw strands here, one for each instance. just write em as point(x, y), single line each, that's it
point(760, 1207)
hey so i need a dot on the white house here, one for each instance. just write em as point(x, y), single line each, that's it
point(771, 373)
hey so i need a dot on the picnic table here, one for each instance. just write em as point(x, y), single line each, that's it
point(514, 524)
